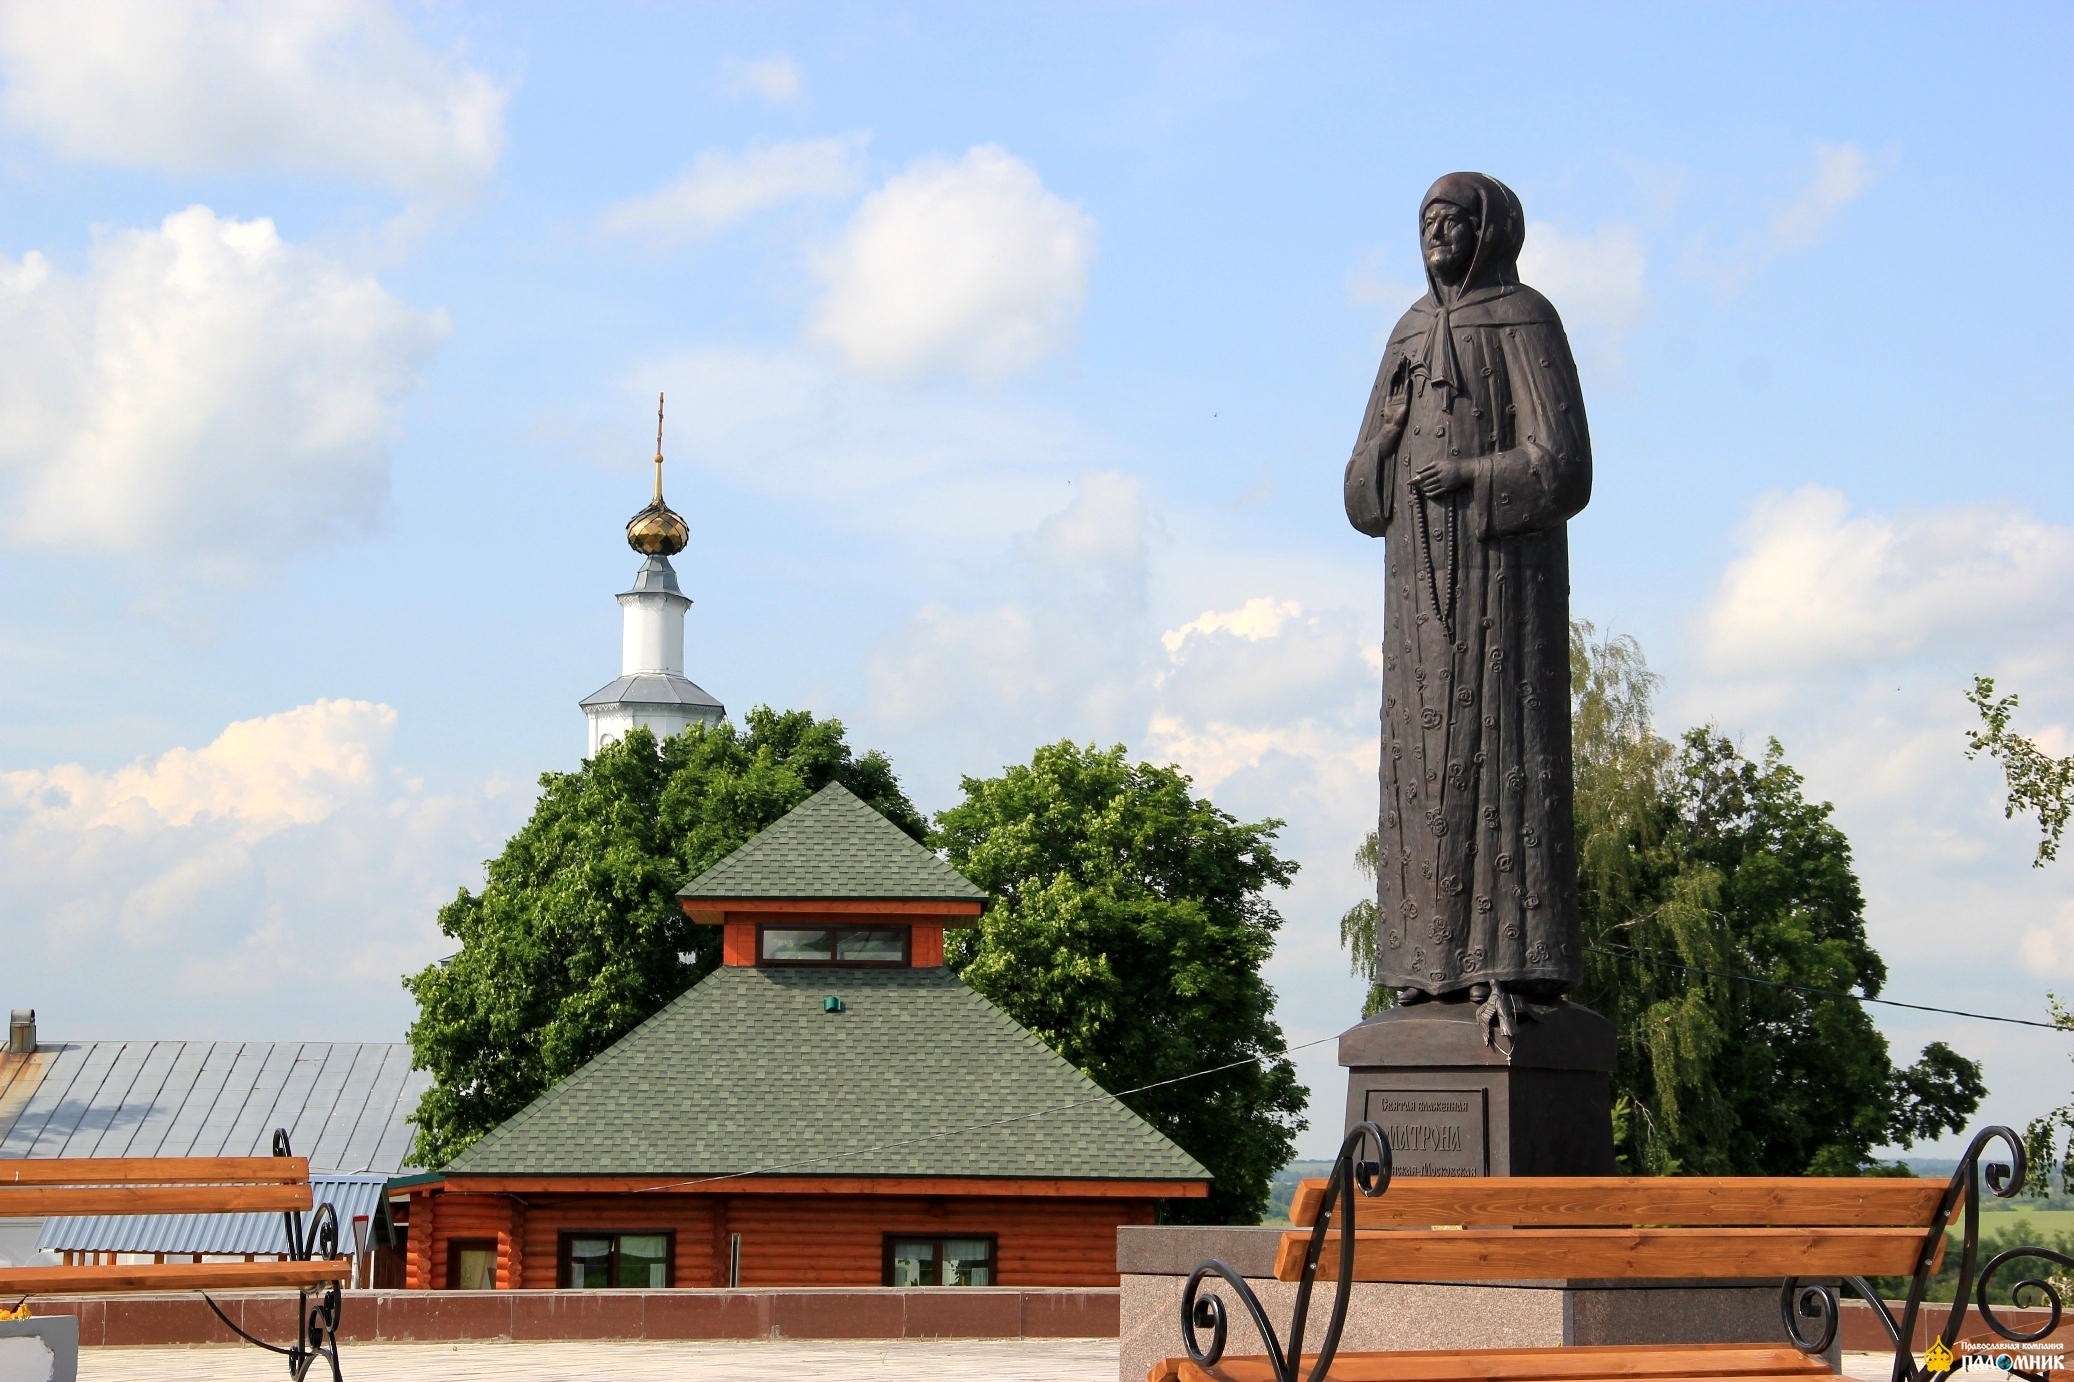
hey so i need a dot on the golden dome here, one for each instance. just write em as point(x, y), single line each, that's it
point(657, 531)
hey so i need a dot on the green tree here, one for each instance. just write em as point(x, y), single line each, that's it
point(1128, 930)
point(1700, 870)
point(1357, 933)
point(2039, 784)
point(577, 936)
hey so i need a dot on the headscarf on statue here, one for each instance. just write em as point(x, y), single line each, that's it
point(1500, 232)
point(1423, 342)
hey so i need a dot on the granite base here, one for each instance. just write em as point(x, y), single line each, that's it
point(1155, 1263)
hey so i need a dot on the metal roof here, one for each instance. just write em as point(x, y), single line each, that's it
point(212, 1233)
point(835, 846)
point(665, 690)
point(656, 574)
point(343, 1104)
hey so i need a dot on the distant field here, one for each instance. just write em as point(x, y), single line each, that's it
point(2044, 1221)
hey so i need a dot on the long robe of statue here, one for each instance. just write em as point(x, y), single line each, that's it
point(1471, 459)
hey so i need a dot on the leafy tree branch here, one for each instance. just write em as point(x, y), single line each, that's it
point(2039, 784)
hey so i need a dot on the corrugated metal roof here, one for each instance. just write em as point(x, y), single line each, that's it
point(343, 1103)
point(211, 1233)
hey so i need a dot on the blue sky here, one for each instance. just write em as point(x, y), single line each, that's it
point(1013, 356)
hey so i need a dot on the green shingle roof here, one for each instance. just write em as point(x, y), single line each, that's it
point(835, 847)
point(917, 1076)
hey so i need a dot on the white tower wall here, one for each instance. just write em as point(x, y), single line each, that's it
point(652, 632)
point(652, 691)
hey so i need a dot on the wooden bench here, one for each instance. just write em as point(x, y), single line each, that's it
point(190, 1185)
point(1807, 1233)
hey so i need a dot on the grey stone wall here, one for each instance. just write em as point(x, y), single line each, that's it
point(1384, 1316)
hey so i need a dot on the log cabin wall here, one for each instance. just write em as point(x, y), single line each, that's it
point(787, 1240)
point(548, 1217)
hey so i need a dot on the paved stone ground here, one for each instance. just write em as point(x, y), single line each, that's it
point(776, 1360)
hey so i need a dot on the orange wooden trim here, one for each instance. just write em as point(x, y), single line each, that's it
point(738, 943)
point(178, 1276)
point(156, 1170)
point(1720, 1201)
point(151, 1199)
point(701, 908)
point(925, 946)
point(1539, 1254)
point(829, 1185)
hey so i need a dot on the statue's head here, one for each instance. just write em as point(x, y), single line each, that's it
point(1470, 231)
point(1447, 237)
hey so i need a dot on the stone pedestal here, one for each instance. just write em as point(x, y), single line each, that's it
point(1154, 1264)
point(1454, 1104)
point(42, 1348)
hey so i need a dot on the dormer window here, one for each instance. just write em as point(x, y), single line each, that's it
point(832, 945)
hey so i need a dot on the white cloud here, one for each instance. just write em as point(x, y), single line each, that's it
point(258, 776)
point(1842, 171)
point(1065, 657)
point(723, 188)
point(196, 86)
point(969, 266)
point(1595, 281)
point(1815, 584)
point(1851, 636)
point(1840, 174)
point(205, 392)
point(274, 882)
point(2047, 950)
point(1260, 617)
point(775, 78)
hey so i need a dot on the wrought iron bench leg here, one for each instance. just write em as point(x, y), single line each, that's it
point(1198, 1311)
point(1799, 1301)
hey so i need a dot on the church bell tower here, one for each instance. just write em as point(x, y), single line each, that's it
point(652, 689)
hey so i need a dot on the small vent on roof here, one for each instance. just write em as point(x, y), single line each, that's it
point(21, 1032)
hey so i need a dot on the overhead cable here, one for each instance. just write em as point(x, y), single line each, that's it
point(1825, 993)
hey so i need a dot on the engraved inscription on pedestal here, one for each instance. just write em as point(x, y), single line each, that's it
point(1433, 1132)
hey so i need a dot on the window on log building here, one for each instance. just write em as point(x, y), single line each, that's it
point(595, 1261)
point(916, 1260)
point(471, 1264)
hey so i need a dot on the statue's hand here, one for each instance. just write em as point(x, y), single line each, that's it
point(1442, 476)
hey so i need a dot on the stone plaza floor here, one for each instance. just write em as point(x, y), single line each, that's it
point(776, 1360)
point(773, 1360)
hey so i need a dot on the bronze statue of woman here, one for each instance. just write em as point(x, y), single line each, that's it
point(1472, 457)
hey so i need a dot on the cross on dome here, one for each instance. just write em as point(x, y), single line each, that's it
point(657, 531)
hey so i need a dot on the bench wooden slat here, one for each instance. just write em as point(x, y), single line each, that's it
point(1551, 1254)
point(174, 1276)
point(1655, 1362)
point(1741, 1201)
point(154, 1170)
point(155, 1199)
